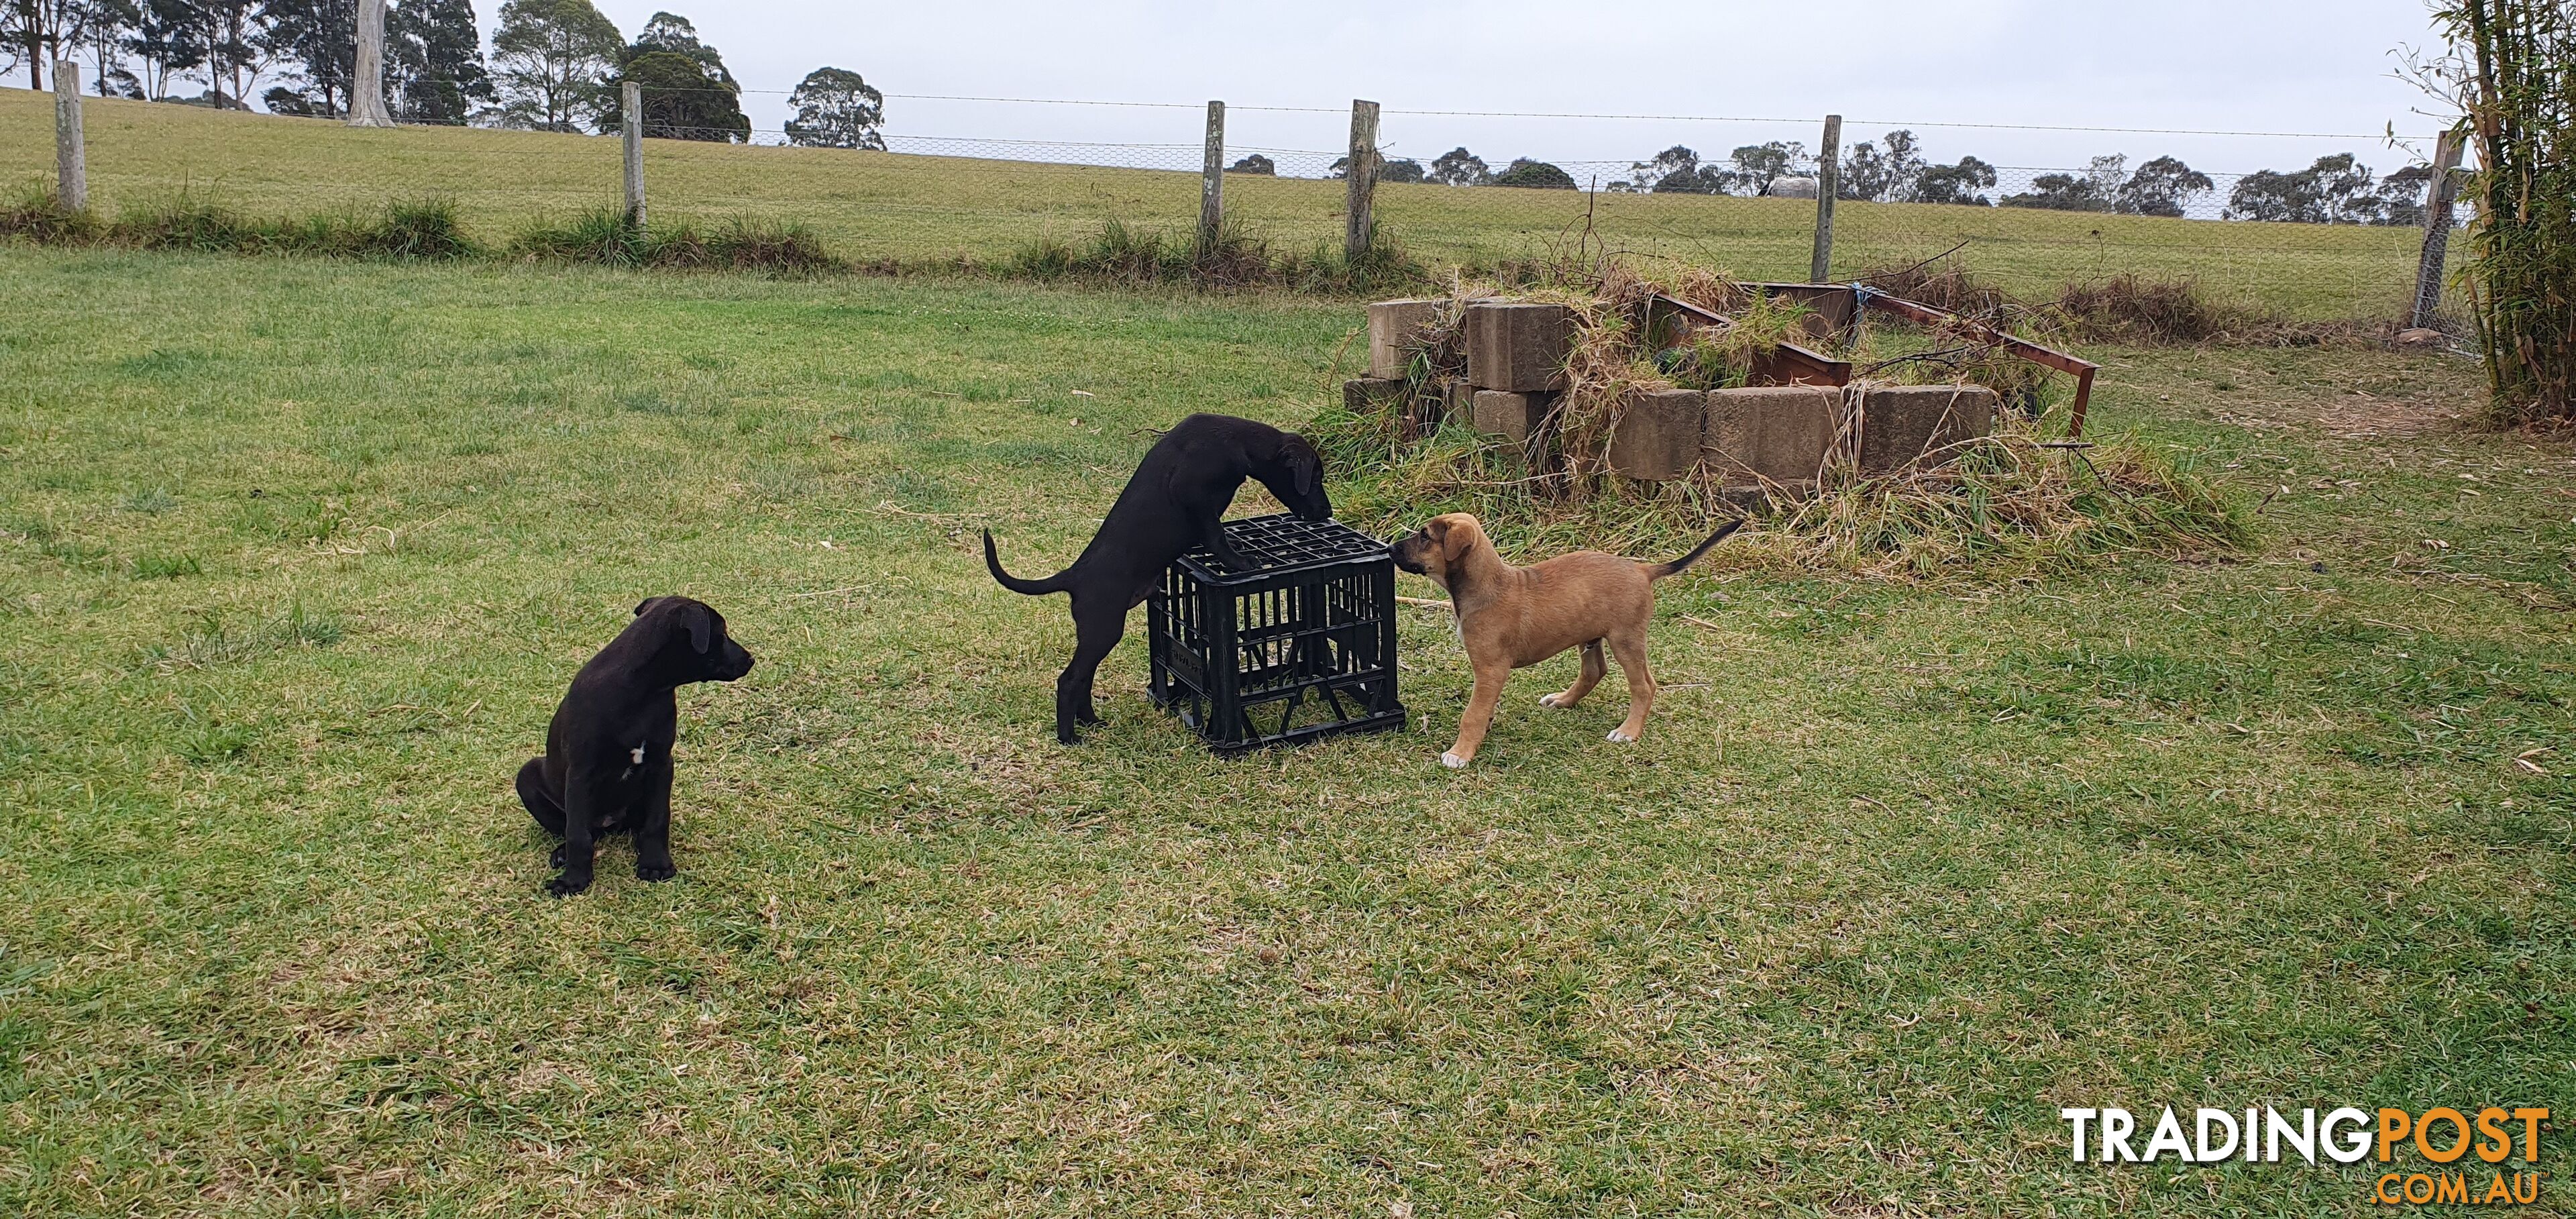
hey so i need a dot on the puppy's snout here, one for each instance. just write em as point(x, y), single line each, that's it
point(1407, 554)
point(738, 662)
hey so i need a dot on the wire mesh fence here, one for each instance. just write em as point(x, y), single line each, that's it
point(2325, 240)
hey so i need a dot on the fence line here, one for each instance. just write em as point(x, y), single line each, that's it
point(2031, 228)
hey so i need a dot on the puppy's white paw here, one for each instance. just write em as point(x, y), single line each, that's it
point(1453, 761)
point(1618, 737)
point(1547, 700)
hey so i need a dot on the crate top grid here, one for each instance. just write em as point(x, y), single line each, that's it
point(1281, 544)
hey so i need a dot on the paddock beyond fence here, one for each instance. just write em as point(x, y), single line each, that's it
point(933, 199)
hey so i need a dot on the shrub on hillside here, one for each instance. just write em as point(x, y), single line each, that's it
point(38, 216)
point(604, 237)
point(1127, 254)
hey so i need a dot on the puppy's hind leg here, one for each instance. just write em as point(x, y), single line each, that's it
point(1096, 633)
point(540, 802)
point(1593, 671)
point(1630, 648)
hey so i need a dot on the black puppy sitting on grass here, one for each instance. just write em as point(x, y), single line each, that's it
point(1176, 499)
point(607, 767)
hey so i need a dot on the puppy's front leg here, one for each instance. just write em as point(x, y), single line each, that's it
point(653, 833)
point(581, 812)
point(1480, 713)
point(1212, 534)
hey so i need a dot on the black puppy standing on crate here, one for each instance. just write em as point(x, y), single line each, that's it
point(607, 767)
point(1176, 499)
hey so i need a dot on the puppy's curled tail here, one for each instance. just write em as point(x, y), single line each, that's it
point(1661, 570)
point(1033, 588)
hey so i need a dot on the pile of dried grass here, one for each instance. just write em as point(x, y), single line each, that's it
point(2132, 309)
point(2012, 502)
point(1943, 284)
point(2156, 312)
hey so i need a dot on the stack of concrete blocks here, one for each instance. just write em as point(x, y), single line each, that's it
point(1754, 440)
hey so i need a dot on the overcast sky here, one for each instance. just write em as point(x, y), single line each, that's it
point(2323, 66)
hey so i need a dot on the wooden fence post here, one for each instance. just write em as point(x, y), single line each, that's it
point(367, 92)
point(1363, 183)
point(632, 99)
point(2438, 195)
point(71, 166)
point(1829, 182)
point(1212, 192)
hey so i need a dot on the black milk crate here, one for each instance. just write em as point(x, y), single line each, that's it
point(1302, 647)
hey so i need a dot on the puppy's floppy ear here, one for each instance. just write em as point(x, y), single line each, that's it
point(701, 622)
point(1305, 465)
point(1455, 538)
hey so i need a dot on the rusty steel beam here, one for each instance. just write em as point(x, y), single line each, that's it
point(2045, 357)
point(1790, 364)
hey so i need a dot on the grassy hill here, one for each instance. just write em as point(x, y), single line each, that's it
point(920, 209)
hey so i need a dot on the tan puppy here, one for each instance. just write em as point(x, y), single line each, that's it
point(1514, 617)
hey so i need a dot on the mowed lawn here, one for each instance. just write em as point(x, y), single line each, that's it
point(917, 210)
point(299, 556)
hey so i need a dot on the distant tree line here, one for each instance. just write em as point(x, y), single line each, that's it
point(2337, 189)
point(1459, 167)
point(554, 65)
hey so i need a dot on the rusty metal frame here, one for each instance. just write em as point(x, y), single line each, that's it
point(1788, 364)
point(2045, 357)
point(1866, 298)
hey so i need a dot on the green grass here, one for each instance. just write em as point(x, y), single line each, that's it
point(921, 211)
point(1897, 871)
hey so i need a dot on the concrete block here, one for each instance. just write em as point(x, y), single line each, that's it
point(1901, 424)
point(1395, 330)
point(1770, 434)
point(1658, 434)
point(1361, 395)
point(1512, 416)
point(1518, 347)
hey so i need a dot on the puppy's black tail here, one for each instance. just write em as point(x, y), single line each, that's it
point(1661, 570)
point(1034, 588)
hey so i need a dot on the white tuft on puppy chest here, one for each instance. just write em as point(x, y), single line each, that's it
point(638, 751)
